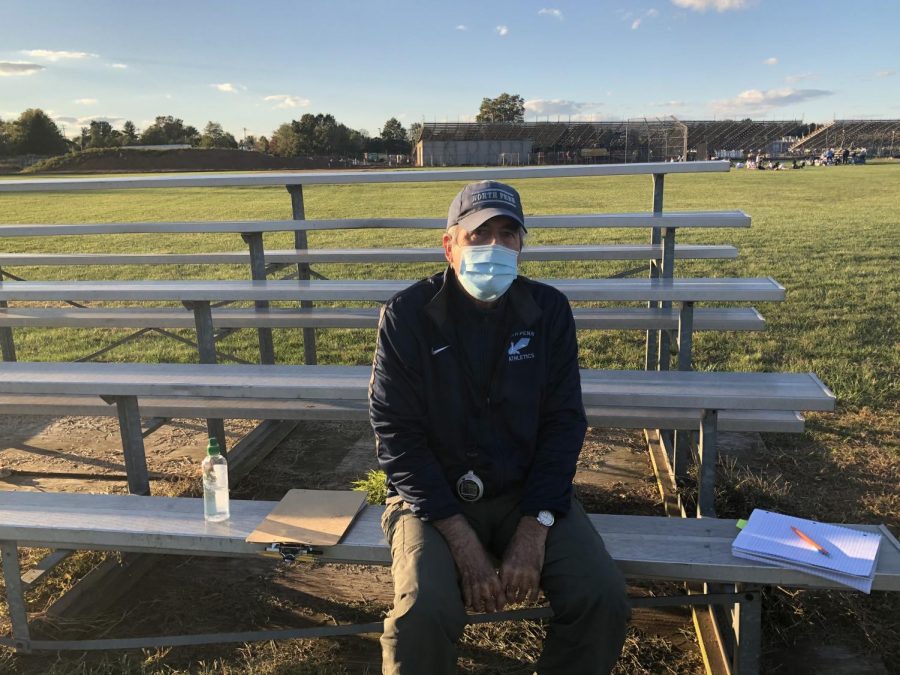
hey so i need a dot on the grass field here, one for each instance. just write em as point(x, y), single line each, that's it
point(829, 235)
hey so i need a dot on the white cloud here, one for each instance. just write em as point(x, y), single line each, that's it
point(85, 101)
point(558, 106)
point(771, 61)
point(112, 120)
point(226, 87)
point(799, 77)
point(287, 101)
point(73, 124)
point(881, 74)
point(649, 14)
point(502, 31)
point(718, 5)
point(118, 66)
point(552, 12)
point(462, 27)
point(51, 55)
point(13, 68)
point(757, 101)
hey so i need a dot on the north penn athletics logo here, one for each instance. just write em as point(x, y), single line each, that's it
point(493, 195)
point(517, 342)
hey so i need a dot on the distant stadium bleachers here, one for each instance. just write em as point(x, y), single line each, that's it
point(743, 135)
point(650, 139)
point(880, 138)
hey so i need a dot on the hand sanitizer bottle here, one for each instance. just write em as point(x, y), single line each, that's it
point(215, 483)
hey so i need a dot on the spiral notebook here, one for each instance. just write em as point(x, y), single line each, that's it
point(852, 554)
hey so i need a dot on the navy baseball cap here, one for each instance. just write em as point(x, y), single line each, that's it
point(479, 202)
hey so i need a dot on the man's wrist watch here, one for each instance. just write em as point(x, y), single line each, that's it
point(546, 518)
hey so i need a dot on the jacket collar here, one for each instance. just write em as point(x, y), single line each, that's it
point(526, 310)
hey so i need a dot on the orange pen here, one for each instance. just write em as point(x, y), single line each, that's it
point(809, 541)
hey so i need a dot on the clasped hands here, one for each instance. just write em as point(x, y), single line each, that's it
point(484, 589)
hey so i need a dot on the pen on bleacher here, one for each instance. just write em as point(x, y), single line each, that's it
point(818, 547)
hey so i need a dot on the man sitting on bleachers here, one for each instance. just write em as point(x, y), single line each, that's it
point(475, 400)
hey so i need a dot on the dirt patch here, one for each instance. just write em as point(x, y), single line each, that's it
point(84, 454)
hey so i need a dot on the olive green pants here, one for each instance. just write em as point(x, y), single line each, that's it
point(585, 589)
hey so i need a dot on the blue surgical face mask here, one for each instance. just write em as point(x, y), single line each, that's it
point(486, 272)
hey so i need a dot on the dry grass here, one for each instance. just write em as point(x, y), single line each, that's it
point(825, 234)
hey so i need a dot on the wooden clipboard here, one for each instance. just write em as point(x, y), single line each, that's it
point(310, 517)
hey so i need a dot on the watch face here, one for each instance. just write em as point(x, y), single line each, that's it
point(546, 518)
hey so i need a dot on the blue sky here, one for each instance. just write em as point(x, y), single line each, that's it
point(256, 65)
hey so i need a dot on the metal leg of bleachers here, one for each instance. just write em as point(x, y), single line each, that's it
point(682, 439)
point(658, 341)
point(7, 345)
point(706, 479)
point(650, 362)
point(685, 336)
point(133, 445)
point(665, 338)
point(300, 242)
point(206, 345)
point(746, 623)
point(258, 273)
point(15, 597)
point(667, 237)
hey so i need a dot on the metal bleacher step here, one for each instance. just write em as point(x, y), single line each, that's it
point(640, 318)
point(366, 255)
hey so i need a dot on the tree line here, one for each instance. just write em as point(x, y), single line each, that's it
point(35, 133)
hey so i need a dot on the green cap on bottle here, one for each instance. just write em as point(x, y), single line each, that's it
point(213, 447)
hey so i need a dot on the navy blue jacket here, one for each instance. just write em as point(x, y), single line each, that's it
point(431, 426)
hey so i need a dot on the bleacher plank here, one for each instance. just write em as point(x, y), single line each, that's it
point(644, 318)
point(693, 219)
point(706, 390)
point(619, 388)
point(365, 255)
point(349, 177)
point(605, 318)
point(597, 290)
point(769, 421)
point(683, 549)
point(350, 410)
